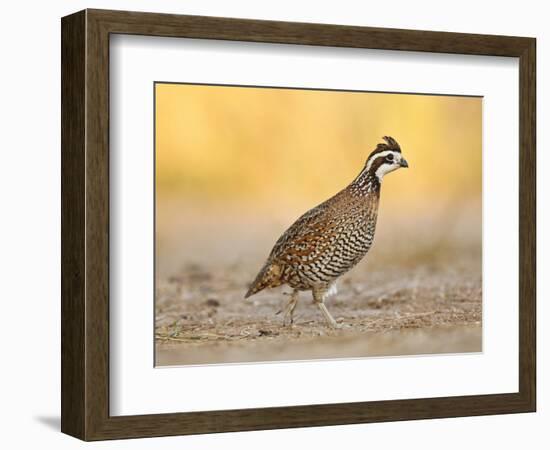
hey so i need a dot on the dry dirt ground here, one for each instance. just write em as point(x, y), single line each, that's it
point(387, 307)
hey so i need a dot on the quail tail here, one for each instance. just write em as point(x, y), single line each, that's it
point(269, 276)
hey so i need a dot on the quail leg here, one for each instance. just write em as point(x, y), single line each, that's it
point(288, 318)
point(318, 298)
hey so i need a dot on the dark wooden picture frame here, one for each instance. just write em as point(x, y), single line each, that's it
point(85, 224)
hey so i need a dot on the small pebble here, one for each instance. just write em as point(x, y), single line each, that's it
point(212, 302)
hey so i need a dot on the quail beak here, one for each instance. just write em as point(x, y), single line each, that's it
point(404, 163)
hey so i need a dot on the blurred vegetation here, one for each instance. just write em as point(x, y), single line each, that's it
point(260, 147)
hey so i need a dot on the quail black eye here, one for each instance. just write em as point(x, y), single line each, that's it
point(389, 158)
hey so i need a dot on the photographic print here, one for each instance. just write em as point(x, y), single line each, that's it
point(301, 224)
point(222, 214)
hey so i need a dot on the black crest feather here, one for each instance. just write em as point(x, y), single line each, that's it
point(389, 144)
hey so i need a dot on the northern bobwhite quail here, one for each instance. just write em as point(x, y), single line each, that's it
point(331, 238)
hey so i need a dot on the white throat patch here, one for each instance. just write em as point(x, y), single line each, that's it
point(387, 168)
point(378, 155)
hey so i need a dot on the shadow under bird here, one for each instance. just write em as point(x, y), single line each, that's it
point(330, 239)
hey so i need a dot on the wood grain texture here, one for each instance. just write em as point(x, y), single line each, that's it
point(85, 224)
point(527, 224)
point(152, 24)
point(97, 226)
point(73, 226)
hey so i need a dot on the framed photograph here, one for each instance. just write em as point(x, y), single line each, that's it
point(273, 225)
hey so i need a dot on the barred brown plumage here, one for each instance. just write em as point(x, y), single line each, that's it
point(330, 239)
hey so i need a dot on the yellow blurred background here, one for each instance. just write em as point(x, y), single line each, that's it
point(251, 144)
point(231, 160)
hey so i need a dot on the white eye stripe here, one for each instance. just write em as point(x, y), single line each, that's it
point(378, 155)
